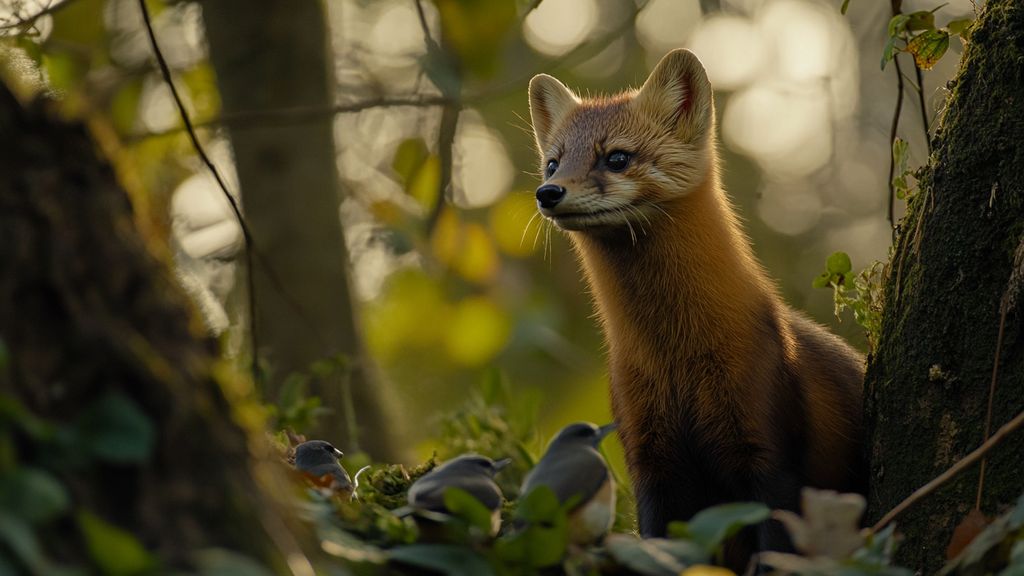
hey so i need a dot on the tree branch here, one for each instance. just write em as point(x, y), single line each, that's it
point(246, 234)
point(250, 251)
point(955, 469)
point(22, 22)
point(924, 108)
point(892, 139)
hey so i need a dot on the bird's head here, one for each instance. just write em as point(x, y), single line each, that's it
point(475, 464)
point(316, 452)
point(583, 433)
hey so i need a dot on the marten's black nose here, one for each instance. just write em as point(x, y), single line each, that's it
point(549, 195)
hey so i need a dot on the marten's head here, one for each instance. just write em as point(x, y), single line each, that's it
point(612, 162)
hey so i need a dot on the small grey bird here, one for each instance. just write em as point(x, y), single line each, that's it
point(318, 462)
point(472, 473)
point(572, 467)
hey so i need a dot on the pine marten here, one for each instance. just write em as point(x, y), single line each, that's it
point(721, 391)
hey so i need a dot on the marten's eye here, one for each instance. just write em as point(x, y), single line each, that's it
point(549, 171)
point(617, 161)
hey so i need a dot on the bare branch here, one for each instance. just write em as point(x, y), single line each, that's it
point(427, 38)
point(291, 116)
point(25, 22)
point(892, 139)
point(445, 145)
point(246, 234)
point(955, 469)
point(924, 108)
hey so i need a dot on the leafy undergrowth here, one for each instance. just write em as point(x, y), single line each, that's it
point(365, 537)
point(44, 530)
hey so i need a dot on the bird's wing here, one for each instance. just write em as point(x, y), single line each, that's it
point(568, 474)
point(428, 493)
point(336, 472)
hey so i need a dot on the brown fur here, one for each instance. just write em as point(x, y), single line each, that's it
point(721, 391)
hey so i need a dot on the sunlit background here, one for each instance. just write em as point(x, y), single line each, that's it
point(804, 116)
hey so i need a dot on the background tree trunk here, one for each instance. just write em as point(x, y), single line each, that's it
point(928, 384)
point(275, 57)
point(87, 309)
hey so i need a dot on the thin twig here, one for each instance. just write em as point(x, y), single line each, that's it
point(445, 144)
point(297, 114)
point(427, 38)
point(924, 108)
point(991, 394)
point(31, 20)
point(246, 234)
point(955, 469)
point(892, 139)
point(289, 116)
point(251, 252)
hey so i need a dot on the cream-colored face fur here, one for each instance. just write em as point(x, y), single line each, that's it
point(664, 129)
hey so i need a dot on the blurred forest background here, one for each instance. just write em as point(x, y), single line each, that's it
point(453, 282)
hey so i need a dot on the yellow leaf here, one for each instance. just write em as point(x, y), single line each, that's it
point(511, 224)
point(477, 331)
point(447, 237)
point(426, 182)
point(478, 259)
point(465, 248)
point(412, 313)
point(928, 47)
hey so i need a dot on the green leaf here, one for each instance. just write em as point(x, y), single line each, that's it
point(447, 559)
point(21, 540)
point(921, 20)
point(409, 156)
point(887, 53)
point(539, 505)
point(476, 31)
point(114, 550)
point(900, 160)
point(839, 263)
point(124, 106)
point(221, 562)
point(844, 7)
point(33, 495)
point(898, 25)
point(711, 527)
point(642, 556)
point(341, 544)
point(544, 535)
point(821, 280)
point(928, 47)
point(958, 27)
point(115, 429)
point(462, 504)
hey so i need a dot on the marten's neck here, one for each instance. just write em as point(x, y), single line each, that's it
point(687, 287)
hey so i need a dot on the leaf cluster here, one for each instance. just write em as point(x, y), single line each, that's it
point(916, 34)
point(860, 292)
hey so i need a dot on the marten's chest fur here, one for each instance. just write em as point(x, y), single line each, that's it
point(708, 370)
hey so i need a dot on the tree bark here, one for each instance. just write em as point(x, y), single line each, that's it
point(927, 387)
point(272, 58)
point(88, 307)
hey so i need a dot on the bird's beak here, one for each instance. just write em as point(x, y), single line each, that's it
point(499, 464)
point(338, 453)
point(605, 430)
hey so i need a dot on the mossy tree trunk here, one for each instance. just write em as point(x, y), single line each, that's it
point(268, 59)
point(928, 383)
point(88, 308)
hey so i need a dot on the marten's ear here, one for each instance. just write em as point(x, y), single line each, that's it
point(678, 95)
point(550, 103)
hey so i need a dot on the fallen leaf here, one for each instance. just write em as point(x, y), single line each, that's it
point(966, 531)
